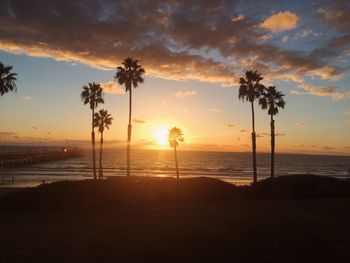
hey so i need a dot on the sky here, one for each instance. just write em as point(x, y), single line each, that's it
point(193, 53)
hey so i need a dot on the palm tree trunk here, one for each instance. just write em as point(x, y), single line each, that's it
point(93, 145)
point(129, 135)
point(100, 175)
point(176, 164)
point(272, 146)
point(254, 144)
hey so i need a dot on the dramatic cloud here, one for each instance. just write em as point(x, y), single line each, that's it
point(185, 94)
point(173, 39)
point(138, 121)
point(281, 21)
point(112, 88)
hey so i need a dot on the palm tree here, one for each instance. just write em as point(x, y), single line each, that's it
point(92, 95)
point(249, 90)
point(272, 100)
point(7, 79)
point(174, 137)
point(102, 120)
point(130, 75)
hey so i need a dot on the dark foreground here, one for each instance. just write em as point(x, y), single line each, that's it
point(226, 228)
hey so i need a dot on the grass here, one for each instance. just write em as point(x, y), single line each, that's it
point(190, 220)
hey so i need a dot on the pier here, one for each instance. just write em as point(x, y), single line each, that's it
point(16, 159)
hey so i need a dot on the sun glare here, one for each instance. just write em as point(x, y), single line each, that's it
point(162, 136)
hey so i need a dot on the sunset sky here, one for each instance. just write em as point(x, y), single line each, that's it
point(193, 53)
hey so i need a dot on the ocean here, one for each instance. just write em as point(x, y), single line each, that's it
point(227, 166)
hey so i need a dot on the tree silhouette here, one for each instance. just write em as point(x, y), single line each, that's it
point(102, 120)
point(129, 74)
point(7, 79)
point(174, 137)
point(250, 90)
point(92, 94)
point(272, 100)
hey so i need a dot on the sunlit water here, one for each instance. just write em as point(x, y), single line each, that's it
point(231, 167)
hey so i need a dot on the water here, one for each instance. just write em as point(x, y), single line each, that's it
point(231, 167)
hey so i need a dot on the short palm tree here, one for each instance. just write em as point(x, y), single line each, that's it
point(250, 90)
point(102, 120)
point(129, 74)
point(175, 136)
point(7, 79)
point(272, 100)
point(92, 94)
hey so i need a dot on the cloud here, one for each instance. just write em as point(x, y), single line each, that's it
point(216, 110)
point(138, 121)
point(305, 33)
point(231, 125)
point(281, 21)
point(346, 112)
point(332, 92)
point(243, 130)
point(347, 122)
point(35, 128)
point(285, 39)
point(280, 134)
point(237, 18)
point(296, 92)
point(185, 94)
point(302, 124)
point(6, 135)
point(261, 134)
point(111, 87)
point(26, 97)
point(173, 40)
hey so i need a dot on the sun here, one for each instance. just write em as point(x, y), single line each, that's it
point(162, 136)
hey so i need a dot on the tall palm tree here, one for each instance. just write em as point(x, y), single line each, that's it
point(102, 120)
point(92, 94)
point(249, 90)
point(272, 100)
point(175, 136)
point(7, 79)
point(129, 74)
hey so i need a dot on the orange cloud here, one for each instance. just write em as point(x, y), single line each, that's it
point(112, 88)
point(281, 21)
point(185, 94)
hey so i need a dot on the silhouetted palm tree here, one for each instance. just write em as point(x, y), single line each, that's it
point(130, 75)
point(92, 95)
point(7, 79)
point(102, 120)
point(249, 90)
point(272, 100)
point(174, 137)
